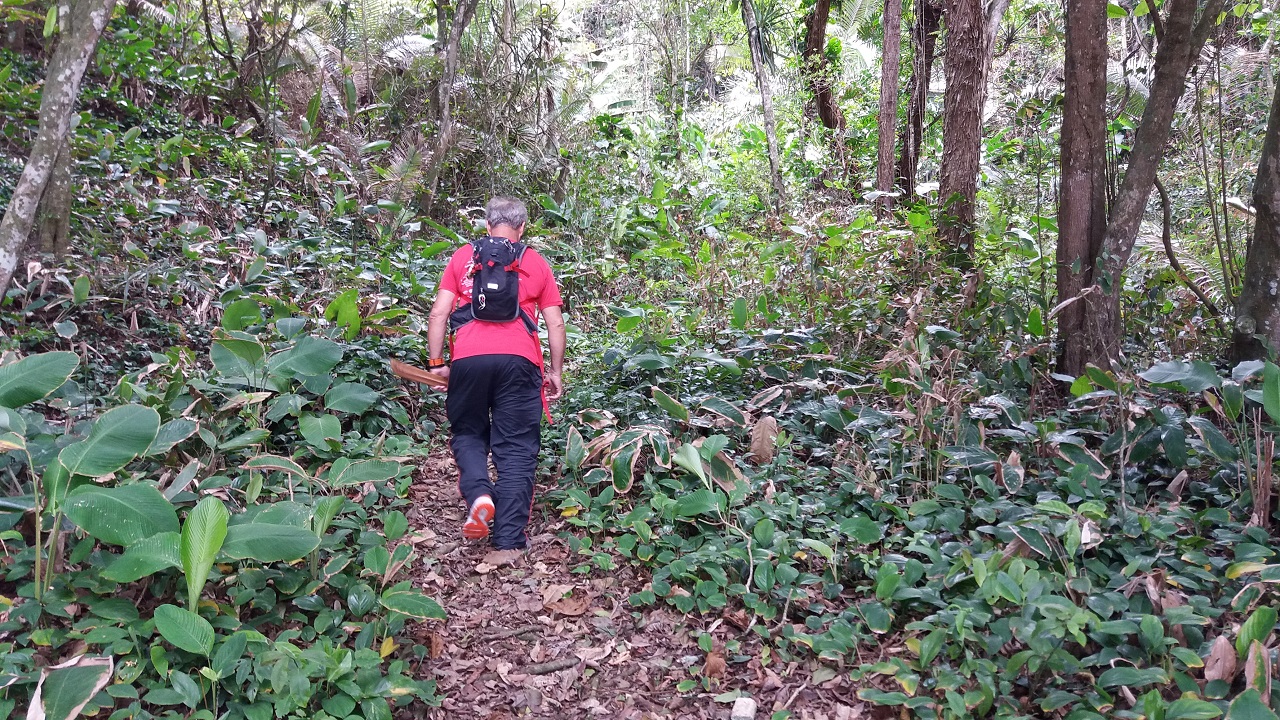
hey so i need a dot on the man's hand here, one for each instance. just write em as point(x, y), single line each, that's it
point(444, 373)
point(553, 386)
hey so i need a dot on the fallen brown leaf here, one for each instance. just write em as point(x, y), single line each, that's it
point(764, 439)
point(715, 664)
point(1257, 671)
point(436, 645)
point(573, 606)
point(552, 593)
point(498, 558)
point(1221, 664)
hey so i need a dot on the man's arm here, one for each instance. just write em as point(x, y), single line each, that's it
point(556, 340)
point(437, 323)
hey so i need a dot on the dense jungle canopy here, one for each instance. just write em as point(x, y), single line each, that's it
point(921, 358)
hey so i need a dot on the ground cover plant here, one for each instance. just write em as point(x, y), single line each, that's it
point(843, 450)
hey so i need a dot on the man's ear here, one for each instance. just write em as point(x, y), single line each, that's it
point(520, 230)
point(488, 229)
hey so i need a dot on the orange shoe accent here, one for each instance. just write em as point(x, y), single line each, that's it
point(477, 524)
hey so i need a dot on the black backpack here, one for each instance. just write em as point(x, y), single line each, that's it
point(495, 287)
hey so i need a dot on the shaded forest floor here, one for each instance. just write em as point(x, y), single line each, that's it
point(534, 639)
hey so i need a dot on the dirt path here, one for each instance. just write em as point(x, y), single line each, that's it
point(536, 640)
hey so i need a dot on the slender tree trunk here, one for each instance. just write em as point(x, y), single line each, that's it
point(888, 116)
point(1082, 209)
point(81, 26)
point(1257, 318)
point(1181, 38)
point(766, 100)
point(53, 216)
point(462, 15)
point(925, 38)
point(966, 71)
point(815, 65)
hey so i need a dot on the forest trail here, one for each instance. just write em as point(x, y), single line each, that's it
point(536, 640)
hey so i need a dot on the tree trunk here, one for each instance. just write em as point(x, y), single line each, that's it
point(1257, 320)
point(1082, 209)
point(53, 216)
point(1181, 39)
point(815, 65)
point(83, 22)
point(766, 100)
point(891, 58)
point(965, 65)
point(925, 38)
point(462, 16)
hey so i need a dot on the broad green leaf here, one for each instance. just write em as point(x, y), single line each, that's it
point(147, 556)
point(237, 359)
point(326, 510)
point(170, 434)
point(184, 629)
point(575, 450)
point(245, 439)
point(1248, 705)
point(318, 430)
point(1191, 709)
point(57, 482)
point(819, 547)
point(229, 653)
point(268, 542)
point(1115, 11)
point(862, 528)
point(202, 536)
point(351, 397)
point(1258, 627)
point(1194, 376)
point(412, 603)
point(650, 361)
point(241, 314)
point(80, 290)
point(688, 458)
point(1035, 323)
point(309, 357)
point(119, 435)
point(724, 409)
point(739, 317)
point(344, 472)
point(670, 405)
point(699, 502)
point(65, 689)
point(33, 377)
point(121, 515)
point(275, 462)
point(1271, 391)
point(1132, 677)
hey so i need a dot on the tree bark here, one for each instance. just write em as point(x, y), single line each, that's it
point(84, 23)
point(924, 35)
point(462, 15)
point(766, 101)
point(1182, 37)
point(1257, 317)
point(967, 60)
point(1082, 208)
point(53, 216)
point(888, 116)
point(815, 65)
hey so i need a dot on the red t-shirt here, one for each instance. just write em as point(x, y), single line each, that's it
point(538, 290)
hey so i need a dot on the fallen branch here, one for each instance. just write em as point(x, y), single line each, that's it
point(503, 634)
point(547, 668)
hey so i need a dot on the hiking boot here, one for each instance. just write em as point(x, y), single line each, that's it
point(477, 524)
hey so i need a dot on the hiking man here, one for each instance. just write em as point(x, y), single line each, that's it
point(489, 297)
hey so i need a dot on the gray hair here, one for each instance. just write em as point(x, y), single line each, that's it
point(506, 211)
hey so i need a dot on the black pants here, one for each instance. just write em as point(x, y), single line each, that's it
point(495, 403)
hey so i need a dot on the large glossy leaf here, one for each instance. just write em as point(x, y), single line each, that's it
point(700, 502)
point(147, 556)
point(33, 377)
point(309, 357)
point(170, 434)
point(1271, 391)
point(202, 536)
point(121, 515)
point(238, 359)
point(318, 430)
point(1193, 376)
point(1248, 705)
point(412, 603)
point(1258, 627)
point(351, 397)
point(119, 435)
point(64, 689)
point(184, 629)
point(343, 472)
point(267, 542)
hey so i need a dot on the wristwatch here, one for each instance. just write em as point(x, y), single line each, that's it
point(436, 363)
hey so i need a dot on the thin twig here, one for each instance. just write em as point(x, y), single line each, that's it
point(547, 668)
